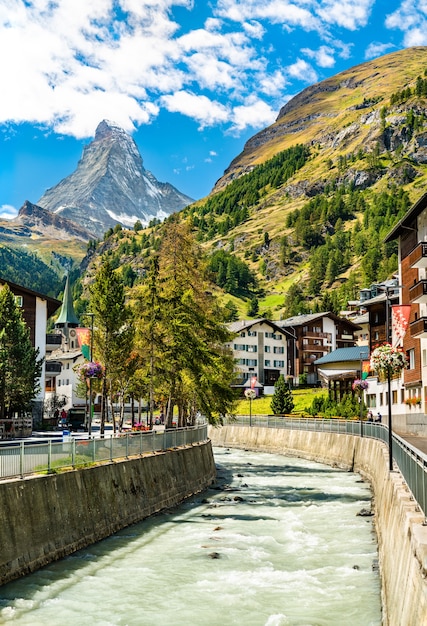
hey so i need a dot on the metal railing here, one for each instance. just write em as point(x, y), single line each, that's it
point(21, 458)
point(411, 462)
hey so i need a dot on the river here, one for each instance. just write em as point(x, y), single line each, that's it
point(277, 542)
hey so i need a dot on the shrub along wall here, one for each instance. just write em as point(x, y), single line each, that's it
point(46, 518)
point(402, 535)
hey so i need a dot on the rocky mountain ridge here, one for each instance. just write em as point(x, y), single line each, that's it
point(111, 186)
point(343, 114)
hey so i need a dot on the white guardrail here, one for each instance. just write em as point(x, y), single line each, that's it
point(32, 456)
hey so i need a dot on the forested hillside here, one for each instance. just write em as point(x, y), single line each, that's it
point(28, 270)
point(298, 221)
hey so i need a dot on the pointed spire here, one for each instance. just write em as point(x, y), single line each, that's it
point(67, 315)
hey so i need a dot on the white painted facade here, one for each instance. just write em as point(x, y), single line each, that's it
point(260, 350)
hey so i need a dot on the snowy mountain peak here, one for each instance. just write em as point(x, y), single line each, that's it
point(111, 186)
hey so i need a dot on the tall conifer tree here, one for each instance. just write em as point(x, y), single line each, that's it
point(20, 367)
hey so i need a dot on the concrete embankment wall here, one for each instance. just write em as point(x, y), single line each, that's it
point(402, 537)
point(48, 517)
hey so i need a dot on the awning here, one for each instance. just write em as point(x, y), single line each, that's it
point(336, 374)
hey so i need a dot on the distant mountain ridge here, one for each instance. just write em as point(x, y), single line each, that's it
point(111, 186)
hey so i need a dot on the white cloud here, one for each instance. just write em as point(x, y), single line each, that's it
point(302, 71)
point(289, 14)
point(350, 14)
point(376, 49)
point(411, 19)
point(74, 62)
point(254, 114)
point(205, 111)
point(324, 56)
point(8, 212)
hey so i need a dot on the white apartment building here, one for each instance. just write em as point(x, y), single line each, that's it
point(263, 351)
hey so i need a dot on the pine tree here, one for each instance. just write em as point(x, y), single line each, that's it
point(281, 401)
point(20, 367)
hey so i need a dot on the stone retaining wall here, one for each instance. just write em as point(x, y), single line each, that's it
point(45, 518)
point(402, 535)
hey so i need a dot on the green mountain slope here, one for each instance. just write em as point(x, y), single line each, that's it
point(297, 221)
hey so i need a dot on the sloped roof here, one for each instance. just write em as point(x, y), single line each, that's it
point(239, 326)
point(341, 355)
point(406, 221)
point(67, 314)
point(305, 318)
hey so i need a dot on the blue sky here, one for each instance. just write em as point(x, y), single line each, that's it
point(191, 80)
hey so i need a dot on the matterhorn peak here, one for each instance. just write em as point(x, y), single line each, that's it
point(111, 186)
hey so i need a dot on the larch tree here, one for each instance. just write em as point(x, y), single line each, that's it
point(20, 365)
point(113, 334)
point(193, 370)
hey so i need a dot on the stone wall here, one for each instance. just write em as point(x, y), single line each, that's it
point(48, 517)
point(402, 535)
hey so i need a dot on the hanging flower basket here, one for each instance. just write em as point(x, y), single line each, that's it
point(250, 394)
point(92, 369)
point(388, 360)
point(359, 385)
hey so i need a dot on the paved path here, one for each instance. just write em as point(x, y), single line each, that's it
point(414, 440)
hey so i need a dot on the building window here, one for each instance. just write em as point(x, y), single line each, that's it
point(240, 361)
point(243, 334)
point(269, 335)
point(251, 348)
point(19, 301)
point(279, 364)
point(376, 336)
point(394, 396)
point(278, 350)
point(251, 333)
point(267, 363)
point(411, 358)
point(267, 349)
point(424, 358)
point(239, 346)
point(277, 336)
point(371, 400)
point(251, 362)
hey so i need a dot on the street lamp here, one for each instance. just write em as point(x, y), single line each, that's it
point(387, 289)
point(250, 395)
point(89, 424)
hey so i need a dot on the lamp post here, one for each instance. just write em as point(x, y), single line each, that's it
point(250, 394)
point(89, 423)
point(387, 330)
point(388, 366)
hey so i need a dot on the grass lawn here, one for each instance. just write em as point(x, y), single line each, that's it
point(261, 406)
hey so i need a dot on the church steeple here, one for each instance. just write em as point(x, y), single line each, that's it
point(67, 316)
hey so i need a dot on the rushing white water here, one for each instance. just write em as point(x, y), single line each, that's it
point(277, 543)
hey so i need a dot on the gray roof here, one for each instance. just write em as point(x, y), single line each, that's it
point(236, 327)
point(355, 353)
point(305, 318)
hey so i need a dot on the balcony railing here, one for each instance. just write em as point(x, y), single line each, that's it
point(53, 340)
point(53, 368)
point(419, 328)
point(418, 256)
point(418, 292)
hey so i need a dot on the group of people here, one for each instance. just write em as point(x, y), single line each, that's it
point(371, 418)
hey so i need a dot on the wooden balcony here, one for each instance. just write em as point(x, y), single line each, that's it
point(418, 292)
point(418, 256)
point(418, 328)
